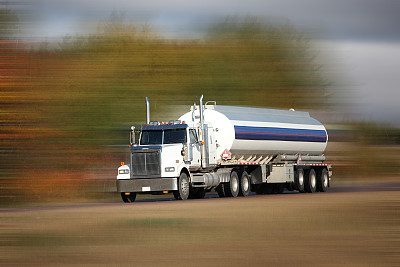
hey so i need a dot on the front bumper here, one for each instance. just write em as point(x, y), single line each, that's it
point(147, 185)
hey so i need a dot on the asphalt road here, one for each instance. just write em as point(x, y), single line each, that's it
point(371, 187)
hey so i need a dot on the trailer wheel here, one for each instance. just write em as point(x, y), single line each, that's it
point(232, 187)
point(128, 198)
point(299, 180)
point(322, 180)
point(310, 182)
point(183, 187)
point(245, 185)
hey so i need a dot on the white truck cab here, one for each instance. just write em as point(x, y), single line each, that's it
point(165, 150)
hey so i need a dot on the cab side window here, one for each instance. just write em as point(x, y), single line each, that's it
point(192, 136)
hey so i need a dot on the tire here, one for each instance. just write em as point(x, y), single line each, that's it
point(183, 187)
point(310, 182)
point(322, 180)
point(232, 187)
point(221, 190)
point(128, 198)
point(299, 180)
point(245, 185)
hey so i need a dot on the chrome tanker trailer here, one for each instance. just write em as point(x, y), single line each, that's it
point(233, 150)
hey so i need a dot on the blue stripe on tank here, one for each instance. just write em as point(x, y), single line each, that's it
point(281, 134)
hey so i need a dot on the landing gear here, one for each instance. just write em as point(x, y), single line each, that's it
point(278, 188)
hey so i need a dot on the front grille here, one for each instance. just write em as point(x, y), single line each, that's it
point(146, 163)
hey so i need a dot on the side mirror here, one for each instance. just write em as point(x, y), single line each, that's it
point(132, 136)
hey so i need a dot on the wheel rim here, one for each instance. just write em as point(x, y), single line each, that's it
point(235, 184)
point(301, 178)
point(325, 177)
point(313, 180)
point(245, 184)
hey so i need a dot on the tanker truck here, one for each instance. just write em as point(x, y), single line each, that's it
point(231, 150)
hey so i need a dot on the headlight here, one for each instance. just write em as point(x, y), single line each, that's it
point(125, 171)
point(170, 169)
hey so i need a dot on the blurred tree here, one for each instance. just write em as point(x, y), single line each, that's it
point(14, 77)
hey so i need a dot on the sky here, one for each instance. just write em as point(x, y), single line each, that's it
point(362, 37)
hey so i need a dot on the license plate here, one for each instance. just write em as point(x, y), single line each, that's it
point(145, 188)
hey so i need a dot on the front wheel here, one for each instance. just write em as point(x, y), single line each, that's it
point(183, 187)
point(128, 197)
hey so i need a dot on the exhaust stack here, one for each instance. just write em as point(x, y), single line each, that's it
point(147, 110)
point(201, 113)
point(203, 137)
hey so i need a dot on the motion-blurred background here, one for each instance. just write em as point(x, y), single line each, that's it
point(74, 76)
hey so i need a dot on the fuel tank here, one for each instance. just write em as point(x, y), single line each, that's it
point(250, 131)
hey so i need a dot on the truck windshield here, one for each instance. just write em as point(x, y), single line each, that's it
point(151, 138)
point(172, 136)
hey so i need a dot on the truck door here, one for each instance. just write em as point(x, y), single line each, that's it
point(194, 149)
point(212, 146)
